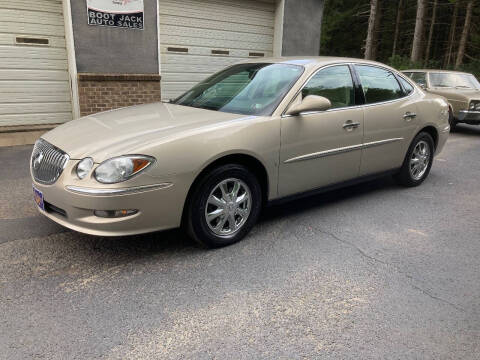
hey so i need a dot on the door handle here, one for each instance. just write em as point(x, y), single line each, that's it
point(409, 116)
point(350, 125)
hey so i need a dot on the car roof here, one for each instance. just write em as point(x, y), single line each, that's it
point(436, 71)
point(313, 61)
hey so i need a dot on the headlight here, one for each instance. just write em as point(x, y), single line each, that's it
point(122, 168)
point(84, 167)
point(474, 105)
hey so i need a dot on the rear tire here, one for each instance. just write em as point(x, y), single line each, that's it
point(224, 206)
point(418, 161)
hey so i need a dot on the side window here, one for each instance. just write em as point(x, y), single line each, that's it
point(335, 83)
point(378, 84)
point(408, 89)
point(420, 78)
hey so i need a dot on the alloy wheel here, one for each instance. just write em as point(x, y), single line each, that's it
point(420, 160)
point(228, 207)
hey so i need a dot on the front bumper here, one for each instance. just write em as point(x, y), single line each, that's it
point(470, 117)
point(159, 206)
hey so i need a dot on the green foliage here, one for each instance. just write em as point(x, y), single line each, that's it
point(473, 67)
point(345, 25)
point(402, 63)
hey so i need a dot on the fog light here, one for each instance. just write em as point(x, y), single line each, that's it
point(114, 213)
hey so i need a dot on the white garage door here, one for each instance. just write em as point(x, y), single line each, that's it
point(200, 37)
point(34, 80)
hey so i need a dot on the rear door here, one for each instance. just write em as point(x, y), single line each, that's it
point(390, 119)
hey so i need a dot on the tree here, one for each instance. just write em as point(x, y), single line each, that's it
point(430, 33)
point(417, 37)
point(369, 43)
point(451, 37)
point(463, 40)
point(397, 26)
point(376, 30)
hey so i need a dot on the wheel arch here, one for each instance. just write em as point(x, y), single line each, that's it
point(432, 131)
point(249, 161)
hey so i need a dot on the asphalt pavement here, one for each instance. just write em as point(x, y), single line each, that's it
point(373, 271)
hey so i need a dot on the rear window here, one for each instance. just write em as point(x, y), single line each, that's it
point(378, 84)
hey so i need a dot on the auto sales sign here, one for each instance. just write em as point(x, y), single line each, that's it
point(116, 13)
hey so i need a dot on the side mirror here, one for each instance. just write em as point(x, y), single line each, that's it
point(423, 86)
point(310, 103)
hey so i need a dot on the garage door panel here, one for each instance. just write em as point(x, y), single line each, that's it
point(31, 17)
point(180, 68)
point(198, 60)
point(191, 21)
point(258, 5)
point(35, 108)
point(40, 64)
point(54, 6)
point(215, 25)
point(25, 97)
point(33, 75)
point(234, 19)
point(33, 87)
point(53, 41)
point(34, 119)
point(34, 79)
point(217, 34)
point(207, 51)
point(187, 41)
point(226, 9)
point(32, 52)
point(22, 28)
point(180, 76)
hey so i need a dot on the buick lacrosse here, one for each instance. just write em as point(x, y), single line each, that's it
point(253, 133)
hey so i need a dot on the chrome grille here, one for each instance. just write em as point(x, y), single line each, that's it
point(47, 162)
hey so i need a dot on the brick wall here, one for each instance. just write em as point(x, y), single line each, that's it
point(100, 92)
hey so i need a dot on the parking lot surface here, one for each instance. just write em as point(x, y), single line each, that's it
point(370, 271)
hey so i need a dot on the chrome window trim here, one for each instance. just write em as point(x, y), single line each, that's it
point(341, 150)
point(121, 191)
point(415, 90)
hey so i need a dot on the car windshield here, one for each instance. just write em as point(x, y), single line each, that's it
point(466, 81)
point(249, 89)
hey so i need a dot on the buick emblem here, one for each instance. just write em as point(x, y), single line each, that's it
point(37, 160)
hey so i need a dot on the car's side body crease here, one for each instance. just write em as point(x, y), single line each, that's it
point(341, 150)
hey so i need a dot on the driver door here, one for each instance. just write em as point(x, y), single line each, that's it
point(322, 148)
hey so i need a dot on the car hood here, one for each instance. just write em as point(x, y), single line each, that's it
point(120, 132)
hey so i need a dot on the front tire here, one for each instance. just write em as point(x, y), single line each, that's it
point(418, 161)
point(224, 206)
point(451, 120)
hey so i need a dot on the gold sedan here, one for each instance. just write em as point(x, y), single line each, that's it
point(462, 91)
point(256, 132)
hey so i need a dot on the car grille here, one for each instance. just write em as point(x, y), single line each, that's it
point(47, 162)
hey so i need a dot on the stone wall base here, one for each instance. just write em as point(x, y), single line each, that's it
point(101, 92)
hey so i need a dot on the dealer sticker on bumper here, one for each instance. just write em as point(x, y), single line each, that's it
point(38, 197)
